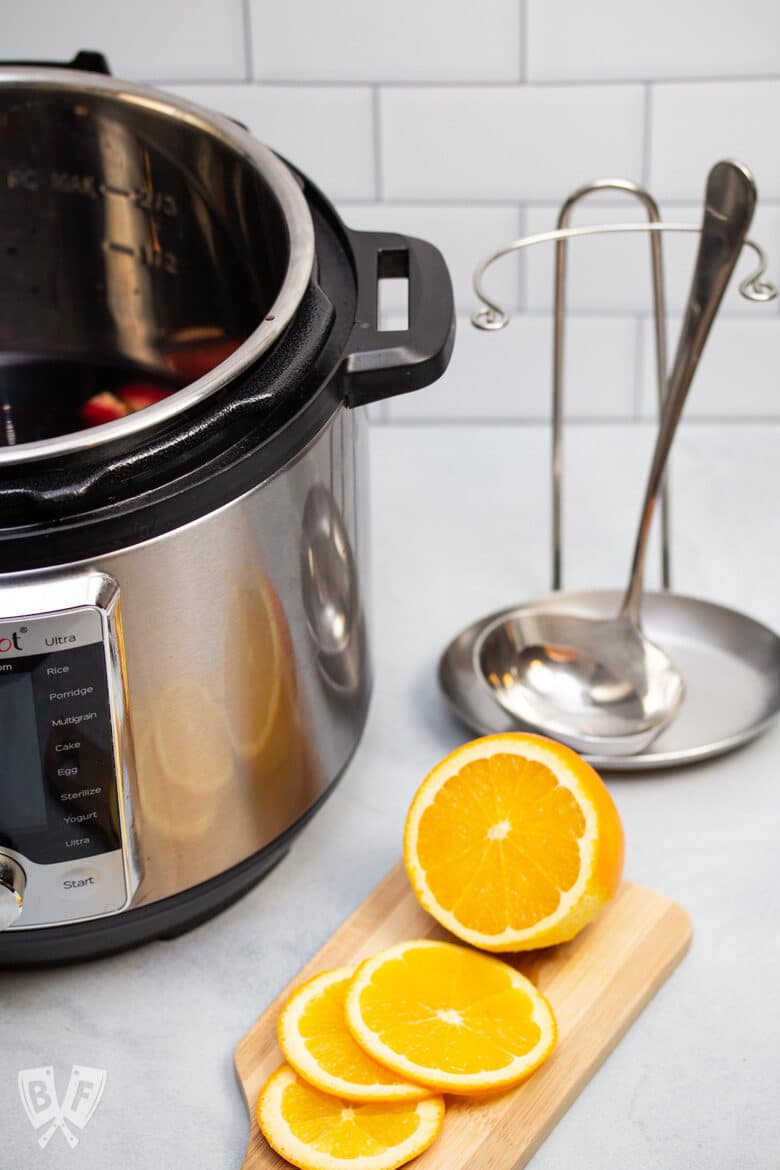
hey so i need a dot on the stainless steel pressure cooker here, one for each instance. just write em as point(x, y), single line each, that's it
point(187, 329)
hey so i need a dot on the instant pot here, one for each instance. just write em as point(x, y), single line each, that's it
point(188, 331)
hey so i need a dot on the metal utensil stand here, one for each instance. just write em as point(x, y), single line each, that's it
point(492, 317)
point(720, 651)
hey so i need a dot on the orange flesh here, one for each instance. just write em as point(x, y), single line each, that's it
point(323, 1027)
point(344, 1129)
point(501, 842)
point(465, 1017)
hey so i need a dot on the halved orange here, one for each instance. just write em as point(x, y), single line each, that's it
point(315, 1040)
point(316, 1131)
point(449, 1017)
point(513, 842)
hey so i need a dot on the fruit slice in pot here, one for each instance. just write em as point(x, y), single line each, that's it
point(139, 395)
point(127, 399)
point(188, 362)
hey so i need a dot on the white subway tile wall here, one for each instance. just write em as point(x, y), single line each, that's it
point(175, 40)
point(612, 39)
point(468, 125)
point(325, 130)
point(738, 377)
point(408, 40)
point(492, 142)
point(693, 123)
point(506, 376)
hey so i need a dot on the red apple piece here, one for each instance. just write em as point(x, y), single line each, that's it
point(102, 408)
point(139, 395)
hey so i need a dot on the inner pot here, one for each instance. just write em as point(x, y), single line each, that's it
point(148, 246)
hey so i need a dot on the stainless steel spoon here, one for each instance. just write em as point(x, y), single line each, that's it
point(602, 686)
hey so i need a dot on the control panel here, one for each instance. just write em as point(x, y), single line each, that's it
point(62, 819)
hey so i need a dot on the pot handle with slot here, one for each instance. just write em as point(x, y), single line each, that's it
point(382, 363)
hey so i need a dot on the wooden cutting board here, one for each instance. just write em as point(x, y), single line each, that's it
point(597, 985)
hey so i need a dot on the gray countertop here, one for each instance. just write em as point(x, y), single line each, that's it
point(460, 526)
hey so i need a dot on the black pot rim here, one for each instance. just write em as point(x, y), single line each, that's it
point(65, 512)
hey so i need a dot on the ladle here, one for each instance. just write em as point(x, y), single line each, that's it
point(601, 685)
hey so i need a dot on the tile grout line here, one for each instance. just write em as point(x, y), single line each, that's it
point(641, 332)
point(582, 313)
point(647, 422)
point(394, 83)
point(543, 204)
point(522, 264)
point(376, 117)
point(521, 285)
point(524, 40)
point(647, 131)
point(249, 64)
point(639, 362)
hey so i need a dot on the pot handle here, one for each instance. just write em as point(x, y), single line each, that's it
point(86, 60)
point(382, 363)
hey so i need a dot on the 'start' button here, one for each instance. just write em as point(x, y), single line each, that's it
point(79, 881)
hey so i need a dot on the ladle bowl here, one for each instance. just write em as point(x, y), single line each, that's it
point(600, 685)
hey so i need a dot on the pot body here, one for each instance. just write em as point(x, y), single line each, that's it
point(184, 670)
point(246, 674)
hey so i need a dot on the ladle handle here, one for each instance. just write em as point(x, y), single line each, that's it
point(730, 201)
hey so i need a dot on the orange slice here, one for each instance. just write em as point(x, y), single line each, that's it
point(316, 1131)
point(316, 1041)
point(513, 842)
point(190, 736)
point(449, 1017)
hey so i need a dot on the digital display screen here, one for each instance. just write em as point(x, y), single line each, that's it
point(22, 795)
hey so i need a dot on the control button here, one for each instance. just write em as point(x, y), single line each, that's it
point(68, 746)
point(66, 767)
point(70, 694)
point(12, 886)
point(81, 842)
point(77, 882)
point(75, 719)
point(80, 794)
point(57, 671)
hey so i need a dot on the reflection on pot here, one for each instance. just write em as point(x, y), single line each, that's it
point(226, 759)
point(259, 669)
point(264, 709)
point(331, 594)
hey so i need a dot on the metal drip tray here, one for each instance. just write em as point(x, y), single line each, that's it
point(730, 662)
